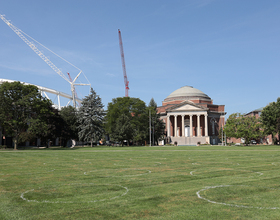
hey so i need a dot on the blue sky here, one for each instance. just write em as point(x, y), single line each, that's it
point(229, 49)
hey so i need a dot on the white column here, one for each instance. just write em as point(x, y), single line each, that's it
point(175, 129)
point(191, 126)
point(206, 124)
point(183, 125)
point(58, 99)
point(168, 126)
point(198, 126)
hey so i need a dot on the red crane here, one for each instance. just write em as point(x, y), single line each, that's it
point(126, 82)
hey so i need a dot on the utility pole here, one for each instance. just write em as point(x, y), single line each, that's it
point(150, 126)
point(222, 136)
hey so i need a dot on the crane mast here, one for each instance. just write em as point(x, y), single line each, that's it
point(44, 58)
point(73, 89)
point(126, 82)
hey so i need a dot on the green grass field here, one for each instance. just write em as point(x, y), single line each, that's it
point(205, 182)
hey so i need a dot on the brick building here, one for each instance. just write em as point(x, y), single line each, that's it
point(191, 117)
point(265, 140)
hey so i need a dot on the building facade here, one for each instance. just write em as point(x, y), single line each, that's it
point(191, 118)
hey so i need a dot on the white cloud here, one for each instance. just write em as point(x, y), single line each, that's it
point(20, 68)
point(110, 74)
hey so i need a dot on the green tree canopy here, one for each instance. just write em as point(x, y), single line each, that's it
point(242, 126)
point(53, 128)
point(91, 118)
point(23, 111)
point(270, 118)
point(123, 128)
point(69, 128)
point(153, 104)
point(128, 115)
point(231, 125)
point(157, 124)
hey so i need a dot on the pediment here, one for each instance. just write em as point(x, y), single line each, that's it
point(187, 106)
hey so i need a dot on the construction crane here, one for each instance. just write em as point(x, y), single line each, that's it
point(21, 34)
point(126, 82)
point(72, 87)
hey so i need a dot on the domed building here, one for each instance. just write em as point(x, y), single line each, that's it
point(191, 117)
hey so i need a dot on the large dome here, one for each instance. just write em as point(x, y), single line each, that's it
point(187, 93)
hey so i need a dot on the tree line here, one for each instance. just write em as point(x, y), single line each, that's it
point(253, 128)
point(25, 114)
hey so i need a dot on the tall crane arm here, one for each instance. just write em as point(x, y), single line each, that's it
point(126, 82)
point(34, 48)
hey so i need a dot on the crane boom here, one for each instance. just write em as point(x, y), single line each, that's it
point(126, 82)
point(44, 58)
point(33, 47)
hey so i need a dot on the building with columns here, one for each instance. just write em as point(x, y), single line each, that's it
point(191, 117)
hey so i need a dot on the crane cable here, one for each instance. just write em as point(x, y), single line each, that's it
point(46, 48)
point(54, 54)
point(50, 50)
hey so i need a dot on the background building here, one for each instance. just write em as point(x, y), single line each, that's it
point(265, 140)
point(191, 118)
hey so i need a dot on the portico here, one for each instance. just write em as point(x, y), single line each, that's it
point(191, 125)
point(187, 124)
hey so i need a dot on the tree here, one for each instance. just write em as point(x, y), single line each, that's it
point(124, 113)
point(270, 119)
point(69, 129)
point(242, 126)
point(249, 128)
point(123, 129)
point(91, 118)
point(157, 124)
point(53, 128)
point(23, 111)
point(231, 125)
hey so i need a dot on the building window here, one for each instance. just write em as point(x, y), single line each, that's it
point(213, 121)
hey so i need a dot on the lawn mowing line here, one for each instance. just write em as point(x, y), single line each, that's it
point(222, 203)
point(192, 172)
point(102, 200)
point(229, 169)
point(17, 174)
point(149, 171)
point(119, 165)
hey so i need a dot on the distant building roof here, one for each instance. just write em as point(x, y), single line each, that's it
point(255, 111)
point(258, 110)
